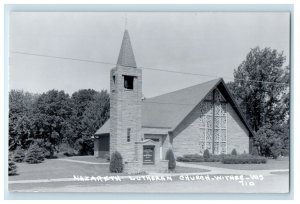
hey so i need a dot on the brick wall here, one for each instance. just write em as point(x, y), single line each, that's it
point(187, 137)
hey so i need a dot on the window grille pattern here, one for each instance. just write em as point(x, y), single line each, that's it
point(213, 136)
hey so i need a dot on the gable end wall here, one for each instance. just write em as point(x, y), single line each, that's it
point(186, 140)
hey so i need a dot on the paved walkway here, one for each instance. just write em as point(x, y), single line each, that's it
point(213, 170)
point(218, 170)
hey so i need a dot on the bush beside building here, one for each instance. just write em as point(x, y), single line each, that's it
point(116, 163)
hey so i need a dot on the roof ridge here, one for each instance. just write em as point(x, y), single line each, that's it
point(217, 79)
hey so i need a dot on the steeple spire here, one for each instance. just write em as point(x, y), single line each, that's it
point(126, 56)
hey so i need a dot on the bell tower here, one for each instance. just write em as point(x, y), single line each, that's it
point(125, 103)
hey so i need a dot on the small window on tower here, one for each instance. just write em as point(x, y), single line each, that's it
point(128, 82)
point(114, 79)
point(128, 134)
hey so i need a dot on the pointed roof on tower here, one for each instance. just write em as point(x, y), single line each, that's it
point(126, 56)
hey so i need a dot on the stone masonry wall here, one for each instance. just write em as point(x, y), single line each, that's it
point(186, 140)
point(237, 133)
point(125, 112)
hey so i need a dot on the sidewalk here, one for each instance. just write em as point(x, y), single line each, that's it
point(218, 170)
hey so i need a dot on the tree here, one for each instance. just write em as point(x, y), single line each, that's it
point(91, 110)
point(261, 87)
point(12, 168)
point(52, 113)
point(19, 155)
point(35, 154)
point(20, 118)
point(272, 141)
point(23, 129)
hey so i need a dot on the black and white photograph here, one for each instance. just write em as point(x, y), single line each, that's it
point(149, 102)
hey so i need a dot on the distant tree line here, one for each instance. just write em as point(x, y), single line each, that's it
point(56, 121)
point(261, 88)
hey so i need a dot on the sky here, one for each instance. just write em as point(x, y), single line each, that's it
point(206, 43)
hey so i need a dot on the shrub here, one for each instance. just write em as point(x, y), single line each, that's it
point(272, 140)
point(35, 154)
point(116, 163)
point(244, 159)
point(19, 155)
point(215, 158)
point(233, 152)
point(69, 152)
point(254, 151)
point(191, 158)
point(171, 158)
point(12, 168)
point(199, 158)
point(206, 155)
point(180, 159)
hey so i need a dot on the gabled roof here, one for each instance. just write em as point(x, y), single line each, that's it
point(169, 110)
point(126, 56)
point(104, 129)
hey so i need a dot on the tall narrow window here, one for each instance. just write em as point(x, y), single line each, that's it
point(213, 135)
point(128, 82)
point(114, 79)
point(128, 134)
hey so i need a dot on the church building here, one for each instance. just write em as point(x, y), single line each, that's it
point(188, 121)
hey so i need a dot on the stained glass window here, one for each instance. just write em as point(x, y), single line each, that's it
point(223, 135)
point(216, 147)
point(209, 96)
point(202, 122)
point(218, 96)
point(209, 135)
point(209, 122)
point(223, 122)
point(218, 109)
point(213, 128)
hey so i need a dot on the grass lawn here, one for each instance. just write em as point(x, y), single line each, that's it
point(282, 163)
point(55, 168)
point(87, 159)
